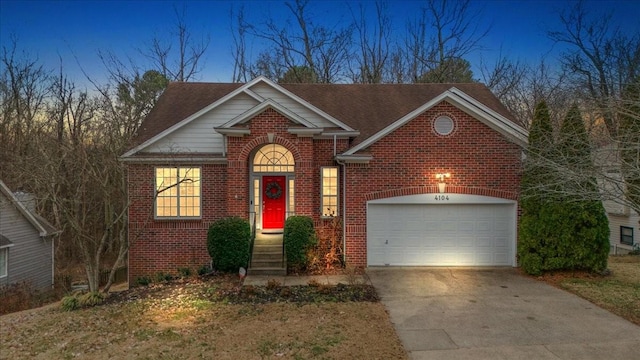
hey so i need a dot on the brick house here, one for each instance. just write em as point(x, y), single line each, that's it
point(420, 174)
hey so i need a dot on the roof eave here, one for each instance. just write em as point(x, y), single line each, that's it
point(354, 159)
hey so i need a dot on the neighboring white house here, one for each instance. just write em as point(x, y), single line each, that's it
point(26, 243)
point(623, 221)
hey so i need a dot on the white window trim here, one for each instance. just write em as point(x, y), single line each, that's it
point(322, 195)
point(155, 189)
point(5, 249)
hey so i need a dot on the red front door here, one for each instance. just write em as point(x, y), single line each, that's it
point(274, 202)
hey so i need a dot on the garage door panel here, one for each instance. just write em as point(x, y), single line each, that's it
point(441, 235)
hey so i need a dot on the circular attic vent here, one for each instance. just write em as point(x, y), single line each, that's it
point(443, 125)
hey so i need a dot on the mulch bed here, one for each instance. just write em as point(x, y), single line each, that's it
point(227, 288)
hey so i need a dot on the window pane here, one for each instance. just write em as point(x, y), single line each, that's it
point(329, 188)
point(273, 158)
point(178, 192)
point(292, 201)
point(3, 261)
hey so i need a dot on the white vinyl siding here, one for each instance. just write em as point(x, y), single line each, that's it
point(268, 92)
point(178, 192)
point(30, 257)
point(199, 136)
point(329, 191)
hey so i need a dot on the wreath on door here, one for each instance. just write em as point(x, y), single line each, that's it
point(273, 190)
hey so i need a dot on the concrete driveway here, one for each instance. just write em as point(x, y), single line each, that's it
point(463, 313)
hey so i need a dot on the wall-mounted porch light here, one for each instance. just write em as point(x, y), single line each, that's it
point(441, 184)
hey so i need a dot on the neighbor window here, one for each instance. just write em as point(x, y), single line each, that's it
point(329, 188)
point(178, 192)
point(626, 235)
point(4, 257)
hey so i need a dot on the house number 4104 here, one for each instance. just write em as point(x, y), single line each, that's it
point(442, 197)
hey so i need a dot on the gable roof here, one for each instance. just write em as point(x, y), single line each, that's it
point(365, 108)
point(39, 223)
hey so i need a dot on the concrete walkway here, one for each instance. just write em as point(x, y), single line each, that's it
point(453, 313)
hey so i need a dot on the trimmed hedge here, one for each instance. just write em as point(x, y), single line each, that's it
point(228, 242)
point(299, 237)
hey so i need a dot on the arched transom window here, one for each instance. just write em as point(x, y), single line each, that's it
point(273, 158)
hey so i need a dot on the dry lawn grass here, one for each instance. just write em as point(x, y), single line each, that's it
point(183, 324)
point(618, 292)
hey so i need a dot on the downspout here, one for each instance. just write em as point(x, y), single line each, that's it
point(224, 146)
point(344, 200)
point(344, 210)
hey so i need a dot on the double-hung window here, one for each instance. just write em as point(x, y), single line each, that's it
point(626, 235)
point(329, 189)
point(178, 192)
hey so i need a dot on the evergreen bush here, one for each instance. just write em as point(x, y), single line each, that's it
point(563, 225)
point(228, 242)
point(299, 237)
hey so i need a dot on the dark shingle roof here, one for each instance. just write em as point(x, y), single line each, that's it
point(367, 108)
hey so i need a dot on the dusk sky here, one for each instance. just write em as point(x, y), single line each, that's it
point(68, 30)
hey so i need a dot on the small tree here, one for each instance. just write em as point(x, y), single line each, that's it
point(533, 230)
point(228, 242)
point(585, 228)
point(629, 142)
point(561, 228)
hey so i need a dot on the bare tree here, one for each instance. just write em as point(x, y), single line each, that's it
point(180, 59)
point(371, 60)
point(445, 33)
point(239, 47)
point(600, 59)
point(23, 92)
point(304, 45)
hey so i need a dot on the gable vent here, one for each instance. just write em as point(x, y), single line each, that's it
point(443, 125)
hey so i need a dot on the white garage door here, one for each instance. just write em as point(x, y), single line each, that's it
point(441, 234)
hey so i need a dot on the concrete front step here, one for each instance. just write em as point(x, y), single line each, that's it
point(268, 242)
point(272, 264)
point(267, 271)
point(267, 248)
point(267, 257)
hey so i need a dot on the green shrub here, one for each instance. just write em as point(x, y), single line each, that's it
point(162, 277)
point(204, 270)
point(90, 299)
point(82, 300)
point(228, 242)
point(564, 236)
point(184, 272)
point(70, 303)
point(299, 237)
point(143, 280)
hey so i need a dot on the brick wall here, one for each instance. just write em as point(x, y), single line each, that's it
point(480, 160)
point(166, 245)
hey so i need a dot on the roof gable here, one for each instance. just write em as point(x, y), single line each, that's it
point(465, 103)
point(266, 104)
point(165, 119)
point(43, 227)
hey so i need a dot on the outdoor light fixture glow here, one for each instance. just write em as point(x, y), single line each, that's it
point(441, 184)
